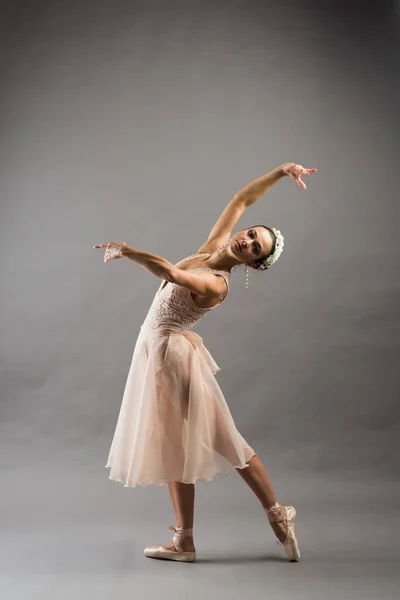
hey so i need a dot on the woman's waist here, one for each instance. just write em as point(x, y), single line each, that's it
point(169, 322)
point(163, 329)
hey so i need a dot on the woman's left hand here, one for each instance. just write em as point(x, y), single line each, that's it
point(295, 171)
point(113, 250)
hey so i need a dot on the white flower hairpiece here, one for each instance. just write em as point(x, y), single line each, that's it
point(280, 242)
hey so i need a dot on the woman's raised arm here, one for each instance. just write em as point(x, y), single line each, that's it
point(257, 188)
point(245, 197)
point(231, 214)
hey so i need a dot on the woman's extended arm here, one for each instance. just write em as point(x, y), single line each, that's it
point(203, 284)
point(160, 267)
point(157, 265)
point(257, 188)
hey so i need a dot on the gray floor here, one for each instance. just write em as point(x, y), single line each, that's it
point(75, 535)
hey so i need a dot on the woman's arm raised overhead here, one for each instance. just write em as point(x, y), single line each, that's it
point(222, 229)
point(257, 188)
point(245, 197)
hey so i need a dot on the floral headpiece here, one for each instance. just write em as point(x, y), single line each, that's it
point(272, 258)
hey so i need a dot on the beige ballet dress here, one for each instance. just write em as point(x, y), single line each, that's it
point(174, 423)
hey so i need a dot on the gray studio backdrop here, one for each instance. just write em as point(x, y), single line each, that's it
point(138, 121)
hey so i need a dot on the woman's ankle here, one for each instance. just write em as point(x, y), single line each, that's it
point(274, 512)
point(184, 538)
point(186, 544)
point(276, 517)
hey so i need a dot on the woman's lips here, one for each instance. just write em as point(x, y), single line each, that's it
point(238, 245)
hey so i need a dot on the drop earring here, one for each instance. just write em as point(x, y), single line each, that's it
point(247, 276)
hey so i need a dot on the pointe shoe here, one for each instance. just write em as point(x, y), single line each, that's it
point(290, 545)
point(179, 554)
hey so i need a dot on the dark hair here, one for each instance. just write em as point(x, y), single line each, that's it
point(261, 259)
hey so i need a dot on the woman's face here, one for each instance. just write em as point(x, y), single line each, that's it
point(250, 244)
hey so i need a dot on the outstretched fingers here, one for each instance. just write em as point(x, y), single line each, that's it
point(304, 172)
point(301, 183)
point(297, 178)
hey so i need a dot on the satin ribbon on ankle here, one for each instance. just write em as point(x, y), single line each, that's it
point(273, 511)
point(181, 531)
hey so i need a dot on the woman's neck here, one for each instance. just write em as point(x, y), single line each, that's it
point(221, 259)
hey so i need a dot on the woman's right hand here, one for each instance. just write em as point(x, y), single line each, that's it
point(295, 171)
point(113, 250)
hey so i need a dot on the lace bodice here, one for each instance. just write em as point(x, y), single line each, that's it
point(173, 308)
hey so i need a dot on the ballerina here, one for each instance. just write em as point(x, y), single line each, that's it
point(174, 426)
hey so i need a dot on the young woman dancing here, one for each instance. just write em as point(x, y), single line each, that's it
point(174, 424)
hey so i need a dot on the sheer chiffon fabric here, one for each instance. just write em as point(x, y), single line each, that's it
point(174, 423)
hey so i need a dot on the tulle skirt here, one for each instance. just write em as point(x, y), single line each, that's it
point(174, 423)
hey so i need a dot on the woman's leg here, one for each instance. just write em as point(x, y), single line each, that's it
point(182, 496)
point(256, 477)
point(258, 480)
